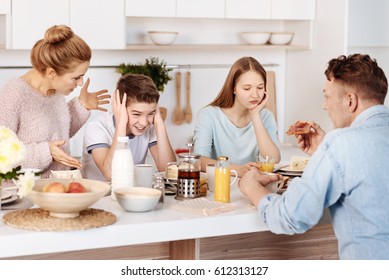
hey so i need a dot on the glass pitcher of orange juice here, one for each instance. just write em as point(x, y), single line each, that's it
point(222, 179)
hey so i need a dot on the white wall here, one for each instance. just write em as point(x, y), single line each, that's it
point(368, 24)
point(305, 70)
point(299, 76)
point(206, 82)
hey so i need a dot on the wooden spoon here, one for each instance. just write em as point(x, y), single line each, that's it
point(178, 114)
point(188, 110)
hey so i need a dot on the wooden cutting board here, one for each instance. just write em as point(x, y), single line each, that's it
point(271, 90)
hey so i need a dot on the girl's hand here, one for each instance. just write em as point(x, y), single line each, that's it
point(258, 108)
point(242, 169)
point(93, 100)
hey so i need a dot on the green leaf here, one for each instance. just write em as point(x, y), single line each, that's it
point(155, 69)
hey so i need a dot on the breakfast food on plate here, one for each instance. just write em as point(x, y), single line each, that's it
point(172, 172)
point(56, 187)
point(300, 127)
point(298, 163)
point(203, 185)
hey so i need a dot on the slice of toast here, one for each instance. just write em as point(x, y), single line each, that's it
point(298, 163)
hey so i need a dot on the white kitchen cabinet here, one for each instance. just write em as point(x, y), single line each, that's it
point(30, 19)
point(248, 9)
point(5, 7)
point(101, 23)
point(150, 8)
point(368, 23)
point(293, 9)
point(200, 8)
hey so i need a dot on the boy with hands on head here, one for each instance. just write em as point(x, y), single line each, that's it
point(135, 113)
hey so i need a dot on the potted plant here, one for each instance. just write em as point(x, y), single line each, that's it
point(152, 67)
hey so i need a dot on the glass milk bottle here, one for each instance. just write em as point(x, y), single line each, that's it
point(222, 179)
point(122, 166)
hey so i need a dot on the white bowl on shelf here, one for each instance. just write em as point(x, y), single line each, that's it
point(255, 38)
point(281, 38)
point(163, 37)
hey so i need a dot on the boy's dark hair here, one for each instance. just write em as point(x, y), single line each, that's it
point(139, 88)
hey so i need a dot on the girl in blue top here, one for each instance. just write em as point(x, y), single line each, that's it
point(237, 124)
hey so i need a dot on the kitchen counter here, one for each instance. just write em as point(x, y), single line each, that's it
point(181, 230)
point(162, 224)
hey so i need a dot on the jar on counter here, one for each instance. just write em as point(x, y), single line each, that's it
point(159, 184)
point(222, 179)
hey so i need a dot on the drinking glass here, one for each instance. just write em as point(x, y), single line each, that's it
point(266, 163)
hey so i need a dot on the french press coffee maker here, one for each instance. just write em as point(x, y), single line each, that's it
point(188, 180)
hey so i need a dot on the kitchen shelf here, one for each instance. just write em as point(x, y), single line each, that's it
point(215, 47)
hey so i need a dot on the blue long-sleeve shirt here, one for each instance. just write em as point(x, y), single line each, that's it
point(215, 135)
point(349, 174)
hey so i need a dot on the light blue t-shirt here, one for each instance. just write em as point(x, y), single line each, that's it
point(215, 135)
point(349, 174)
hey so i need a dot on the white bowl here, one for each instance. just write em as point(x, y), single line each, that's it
point(255, 38)
point(163, 37)
point(281, 38)
point(137, 199)
point(67, 205)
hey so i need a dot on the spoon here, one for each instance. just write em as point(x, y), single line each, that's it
point(188, 110)
point(178, 114)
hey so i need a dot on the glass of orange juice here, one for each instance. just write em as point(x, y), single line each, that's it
point(266, 163)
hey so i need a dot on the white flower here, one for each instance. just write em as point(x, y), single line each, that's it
point(12, 150)
point(25, 183)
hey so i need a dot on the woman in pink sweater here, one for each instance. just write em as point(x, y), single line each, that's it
point(34, 105)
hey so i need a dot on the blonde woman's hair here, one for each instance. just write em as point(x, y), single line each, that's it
point(60, 49)
point(226, 96)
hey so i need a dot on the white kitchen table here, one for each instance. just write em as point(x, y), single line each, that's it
point(162, 224)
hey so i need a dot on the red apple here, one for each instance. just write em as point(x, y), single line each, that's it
point(76, 187)
point(55, 187)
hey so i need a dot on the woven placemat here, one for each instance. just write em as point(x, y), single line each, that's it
point(40, 220)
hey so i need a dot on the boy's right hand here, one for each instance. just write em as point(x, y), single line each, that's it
point(119, 110)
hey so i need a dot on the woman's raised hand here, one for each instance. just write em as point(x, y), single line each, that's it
point(93, 100)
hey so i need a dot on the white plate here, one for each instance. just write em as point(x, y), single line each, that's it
point(163, 174)
point(290, 170)
point(9, 200)
point(5, 195)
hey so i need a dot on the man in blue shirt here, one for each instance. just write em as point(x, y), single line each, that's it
point(348, 171)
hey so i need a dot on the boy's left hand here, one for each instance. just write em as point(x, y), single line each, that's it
point(157, 117)
point(93, 100)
